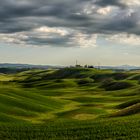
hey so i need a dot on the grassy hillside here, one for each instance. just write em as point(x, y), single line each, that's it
point(62, 104)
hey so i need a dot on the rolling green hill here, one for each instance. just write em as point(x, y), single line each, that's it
point(68, 102)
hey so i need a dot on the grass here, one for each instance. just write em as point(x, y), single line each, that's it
point(65, 103)
point(65, 129)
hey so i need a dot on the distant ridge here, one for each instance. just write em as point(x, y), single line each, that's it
point(21, 66)
point(122, 67)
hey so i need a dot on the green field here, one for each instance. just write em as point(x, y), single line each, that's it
point(70, 103)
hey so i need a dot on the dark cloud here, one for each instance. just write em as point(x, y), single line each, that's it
point(55, 41)
point(123, 22)
point(78, 15)
point(105, 3)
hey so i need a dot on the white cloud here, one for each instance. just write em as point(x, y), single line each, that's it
point(124, 38)
point(130, 12)
point(88, 9)
point(104, 11)
point(55, 30)
point(15, 38)
point(73, 38)
point(131, 2)
point(85, 41)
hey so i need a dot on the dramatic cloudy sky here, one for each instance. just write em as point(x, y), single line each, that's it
point(62, 31)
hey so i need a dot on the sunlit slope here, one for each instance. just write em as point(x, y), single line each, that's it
point(19, 103)
point(70, 93)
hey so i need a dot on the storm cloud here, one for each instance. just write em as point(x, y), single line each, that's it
point(66, 23)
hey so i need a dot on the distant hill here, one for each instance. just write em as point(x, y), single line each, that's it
point(31, 66)
point(24, 66)
point(122, 67)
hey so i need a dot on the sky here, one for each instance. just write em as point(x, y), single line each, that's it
point(59, 32)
